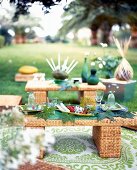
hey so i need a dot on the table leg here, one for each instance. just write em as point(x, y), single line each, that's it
point(107, 140)
point(86, 94)
point(80, 95)
point(41, 97)
point(89, 94)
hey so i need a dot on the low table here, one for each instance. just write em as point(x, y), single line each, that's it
point(41, 89)
point(106, 133)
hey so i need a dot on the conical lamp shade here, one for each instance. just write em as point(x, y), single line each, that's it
point(124, 71)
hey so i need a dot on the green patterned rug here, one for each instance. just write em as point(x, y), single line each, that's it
point(75, 149)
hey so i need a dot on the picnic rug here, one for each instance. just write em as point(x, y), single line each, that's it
point(74, 148)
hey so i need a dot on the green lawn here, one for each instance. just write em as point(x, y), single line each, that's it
point(12, 57)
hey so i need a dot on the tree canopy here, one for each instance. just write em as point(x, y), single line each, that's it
point(92, 13)
point(22, 6)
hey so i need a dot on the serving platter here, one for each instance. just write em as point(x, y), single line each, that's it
point(65, 109)
point(80, 114)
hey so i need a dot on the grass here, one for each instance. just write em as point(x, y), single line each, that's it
point(12, 57)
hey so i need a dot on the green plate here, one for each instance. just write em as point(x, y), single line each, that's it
point(24, 109)
point(116, 107)
point(79, 114)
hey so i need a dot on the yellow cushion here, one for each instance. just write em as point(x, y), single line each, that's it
point(28, 69)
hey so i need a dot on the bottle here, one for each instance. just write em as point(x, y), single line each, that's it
point(31, 101)
point(93, 79)
point(84, 73)
point(111, 99)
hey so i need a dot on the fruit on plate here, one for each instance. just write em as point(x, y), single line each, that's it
point(71, 108)
point(62, 107)
point(77, 109)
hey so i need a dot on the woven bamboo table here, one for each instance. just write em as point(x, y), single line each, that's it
point(106, 133)
point(41, 89)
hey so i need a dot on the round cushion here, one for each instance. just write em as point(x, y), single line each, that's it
point(28, 69)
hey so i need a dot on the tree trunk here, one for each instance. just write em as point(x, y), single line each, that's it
point(105, 32)
point(23, 39)
point(75, 39)
point(18, 39)
point(94, 38)
point(134, 36)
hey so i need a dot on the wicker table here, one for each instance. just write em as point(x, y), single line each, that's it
point(106, 133)
point(41, 88)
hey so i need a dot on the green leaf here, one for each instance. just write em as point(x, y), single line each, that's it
point(124, 114)
point(111, 115)
point(108, 114)
point(68, 85)
point(65, 117)
point(46, 113)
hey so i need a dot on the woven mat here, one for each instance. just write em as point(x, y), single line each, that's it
point(75, 149)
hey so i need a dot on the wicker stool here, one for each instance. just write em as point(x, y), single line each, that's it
point(41, 165)
point(131, 127)
point(9, 100)
point(107, 140)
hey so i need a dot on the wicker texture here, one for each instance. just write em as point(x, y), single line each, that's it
point(107, 140)
point(40, 165)
point(32, 121)
point(10, 100)
point(40, 97)
point(49, 86)
point(106, 133)
point(132, 127)
point(90, 93)
point(23, 77)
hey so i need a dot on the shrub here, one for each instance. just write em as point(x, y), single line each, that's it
point(106, 65)
point(2, 40)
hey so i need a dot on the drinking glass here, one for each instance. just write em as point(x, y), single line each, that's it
point(53, 102)
point(99, 97)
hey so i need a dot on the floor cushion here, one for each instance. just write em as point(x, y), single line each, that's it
point(28, 69)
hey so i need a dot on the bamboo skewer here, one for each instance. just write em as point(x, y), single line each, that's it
point(53, 64)
point(63, 67)
point(122, 50)
point(50, 64)
point(127, 45)
point(72, 67)
point(59, 61)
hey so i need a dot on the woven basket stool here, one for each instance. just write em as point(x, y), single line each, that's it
point(131, 127)
point(9, 101)
point(107, 140)
point(41, 165)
